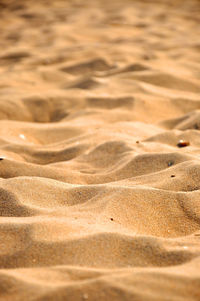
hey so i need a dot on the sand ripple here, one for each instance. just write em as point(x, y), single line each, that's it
point(98, 202)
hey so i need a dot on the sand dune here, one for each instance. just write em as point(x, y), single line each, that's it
point(99, 201)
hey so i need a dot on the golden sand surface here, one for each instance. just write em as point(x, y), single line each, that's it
point(97, 200)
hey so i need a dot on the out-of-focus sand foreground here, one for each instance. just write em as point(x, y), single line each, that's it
point(97, 201)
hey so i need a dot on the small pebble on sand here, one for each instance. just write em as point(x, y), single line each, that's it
point(183, 143)
point(22, 136)
point(170, 163)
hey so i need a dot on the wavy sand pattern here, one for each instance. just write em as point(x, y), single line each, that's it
point(97, 201)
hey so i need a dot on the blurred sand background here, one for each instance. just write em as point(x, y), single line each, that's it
point(97, 201)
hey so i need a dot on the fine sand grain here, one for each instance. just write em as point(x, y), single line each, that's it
point(100, 150)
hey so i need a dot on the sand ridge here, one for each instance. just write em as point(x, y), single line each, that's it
point(97, 201)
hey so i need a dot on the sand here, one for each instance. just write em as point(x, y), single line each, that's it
point(97, 201)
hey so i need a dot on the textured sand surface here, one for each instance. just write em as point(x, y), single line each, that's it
point(97, 201)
